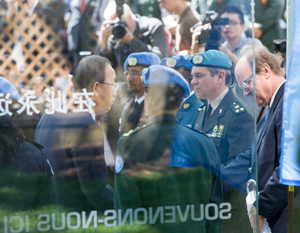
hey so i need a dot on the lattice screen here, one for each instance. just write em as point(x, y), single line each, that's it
point(42, 49)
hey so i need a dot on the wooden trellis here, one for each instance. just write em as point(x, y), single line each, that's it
point(42, 49)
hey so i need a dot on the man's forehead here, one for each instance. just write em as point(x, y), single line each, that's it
point(199, 69)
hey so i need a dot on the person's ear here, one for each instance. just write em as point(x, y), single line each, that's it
point(96, 88)
point(267, 70)
point(221, 76)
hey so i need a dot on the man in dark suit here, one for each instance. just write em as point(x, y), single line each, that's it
point(272, 198)
point(165, 167)
point(225, 119)
point(191, 106)
point(133, 114)
point(74, 142)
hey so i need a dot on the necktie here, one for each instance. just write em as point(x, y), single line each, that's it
point(207, 113)
point(82, 7)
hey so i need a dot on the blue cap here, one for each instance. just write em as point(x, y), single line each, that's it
point(6, 87)
point(162, 75)
point(141, 59)
point(211, 58)
point(177, 61)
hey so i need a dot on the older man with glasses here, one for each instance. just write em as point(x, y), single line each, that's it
point(133, 114)
point(269, 86)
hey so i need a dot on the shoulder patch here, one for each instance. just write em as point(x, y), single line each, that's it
point(237, 107)
point(133, 131)
point(119, 164)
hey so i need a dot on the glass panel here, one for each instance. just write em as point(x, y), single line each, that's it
point(160, 133)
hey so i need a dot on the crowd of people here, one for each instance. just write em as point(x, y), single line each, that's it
point(158, 130)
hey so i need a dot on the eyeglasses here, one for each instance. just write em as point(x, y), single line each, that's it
point(233, 23)
point(246, 83)
point(133, 74)
point(115, 85)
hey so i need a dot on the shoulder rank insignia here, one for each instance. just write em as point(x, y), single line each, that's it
point(185, 106)
point(237, 107)
point(132, 61)
point(171, 62)
point(128, 133)
point(199, 109)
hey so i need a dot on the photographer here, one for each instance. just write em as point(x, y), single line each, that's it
point(232, 33)
point(143, 34)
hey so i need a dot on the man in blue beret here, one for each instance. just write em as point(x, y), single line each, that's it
point(225, 119)
point(189, 110)
point(165, 169)
point(133, 114)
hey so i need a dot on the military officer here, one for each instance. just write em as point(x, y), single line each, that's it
point(133, 114)
point(155, 162)
point(191, 106)
point(225, 119)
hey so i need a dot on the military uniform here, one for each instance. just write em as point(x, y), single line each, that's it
point(157, 163)
point(189, 111)
point(133, 115)
point(230, 127)
point(154, 164)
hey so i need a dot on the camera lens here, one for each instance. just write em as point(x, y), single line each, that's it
point(119, 31)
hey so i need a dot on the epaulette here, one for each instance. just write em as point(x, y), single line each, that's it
point(133, 131)
point(39, 146)
point(237, 107)
point(195, 130)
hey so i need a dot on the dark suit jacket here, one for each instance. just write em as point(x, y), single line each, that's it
point(234, 130)
point(273, 196)
point(137, 117)
point(189, 111)
point(168, 164)
point(74, 145)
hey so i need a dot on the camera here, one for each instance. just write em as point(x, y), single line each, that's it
point(119, 29)
point(119, 26)
point(212, 35)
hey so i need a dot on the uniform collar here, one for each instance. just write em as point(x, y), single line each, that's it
point(273, 97)
point(215, 103)
point(139, 100)
point(162, 118)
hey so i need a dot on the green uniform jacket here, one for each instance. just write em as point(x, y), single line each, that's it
point(167, 180)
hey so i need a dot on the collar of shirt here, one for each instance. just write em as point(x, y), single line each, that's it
point(31, 10)
point(215, 103)
point(191, 93)
point(239, 45)
point(139, 100)
point(273, 96)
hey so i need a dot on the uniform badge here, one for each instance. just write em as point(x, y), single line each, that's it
point(237, 106)
point(234, 103)
point(199, 109)
point(221, 128)
point(197, 59)
point(263, 2)
point(215, 129)
point(119, 164)
point(242, 109)
point(171, 62)
point(220, 111)
point(185, 106)
point(132, 61)
point(237, 110)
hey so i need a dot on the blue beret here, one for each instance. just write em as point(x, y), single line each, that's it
point(163, 75)
point(141, 59)
point(211, 58)
point(177, 61)
point(7, 87)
